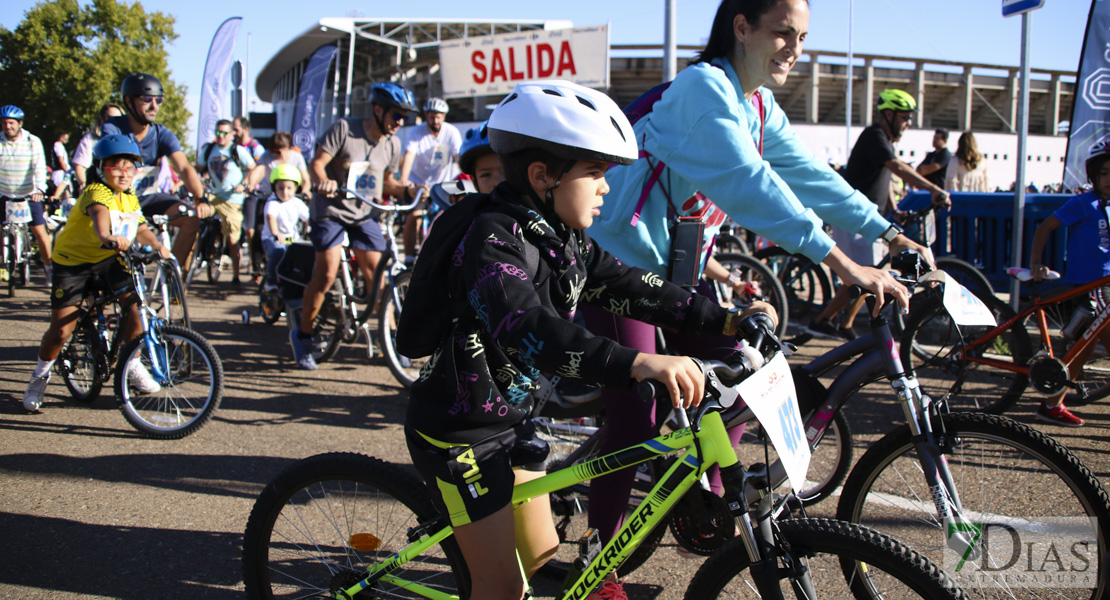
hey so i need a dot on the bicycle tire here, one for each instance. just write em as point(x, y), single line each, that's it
point(297, 542)
point(327, 331)
point(934, 347)
point(370, 294)
point(81, 368)
point(405, 369)
point(269, 306)
point(968, 276)
point(190, 396)
point(1005, 473)
point(728, 243)
point(885, 563)
point(771, 290)
point(808, 286)
point(828, 467)
point(13, 265)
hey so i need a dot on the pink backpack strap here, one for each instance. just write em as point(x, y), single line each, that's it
point(656, 171)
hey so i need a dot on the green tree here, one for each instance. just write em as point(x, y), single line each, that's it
point(65, 60)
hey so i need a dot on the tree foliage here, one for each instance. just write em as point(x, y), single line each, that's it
point(65, 60)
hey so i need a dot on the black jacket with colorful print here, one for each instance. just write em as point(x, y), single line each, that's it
point(517, 322)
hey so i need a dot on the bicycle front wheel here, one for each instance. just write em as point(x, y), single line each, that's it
point(1042, 519)
point(935, 347)
point(405, 369)
point(326, 519)
point(822, 547)
point(753, 271)
point(187, 373)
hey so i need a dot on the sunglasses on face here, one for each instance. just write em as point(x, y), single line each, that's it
point(222, 133)
point(156, 100)
point(397, 116)
point(124, 170)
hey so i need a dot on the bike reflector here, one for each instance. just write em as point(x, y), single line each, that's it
point(964, 307)
point(770, 394)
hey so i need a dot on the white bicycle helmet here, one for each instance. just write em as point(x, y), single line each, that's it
point(438, 105)
point(569, 121)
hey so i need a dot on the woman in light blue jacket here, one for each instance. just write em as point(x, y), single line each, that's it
point(717, 130)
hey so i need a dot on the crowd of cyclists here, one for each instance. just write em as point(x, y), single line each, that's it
point(599, 198)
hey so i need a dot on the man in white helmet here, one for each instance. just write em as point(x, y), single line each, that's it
point(431, 157)
point(524, 268)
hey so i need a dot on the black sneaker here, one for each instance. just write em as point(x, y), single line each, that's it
point(825, 329)
point(847, 333)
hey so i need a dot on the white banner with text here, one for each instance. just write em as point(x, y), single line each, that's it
point(491, 65)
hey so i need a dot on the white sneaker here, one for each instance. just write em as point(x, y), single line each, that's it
point(36, 388)
point(140, 380)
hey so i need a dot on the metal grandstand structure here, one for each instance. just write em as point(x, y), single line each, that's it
point(954, 95)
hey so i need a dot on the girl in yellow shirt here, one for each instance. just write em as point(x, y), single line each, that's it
point(107, 214)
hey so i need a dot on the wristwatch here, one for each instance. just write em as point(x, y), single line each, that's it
point(891, 232)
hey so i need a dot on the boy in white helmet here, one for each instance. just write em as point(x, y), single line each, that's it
point(524, 266)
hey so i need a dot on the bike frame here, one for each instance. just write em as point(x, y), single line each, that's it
point(711, 447)
point(1090, 336)
point(878, 354)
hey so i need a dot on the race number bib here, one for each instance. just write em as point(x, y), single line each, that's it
point(770, 394)
point(17, 212)
point(366, 180)
point(441, 155)
point(964, 307)
point(125, 224)
point(146, 181)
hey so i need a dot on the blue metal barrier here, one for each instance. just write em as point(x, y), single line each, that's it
point(981, 227)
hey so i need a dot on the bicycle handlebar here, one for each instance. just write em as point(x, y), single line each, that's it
point(759, 331)
point(385, 207)
point(135, 252)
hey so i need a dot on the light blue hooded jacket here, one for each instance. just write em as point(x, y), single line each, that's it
point(707, 136)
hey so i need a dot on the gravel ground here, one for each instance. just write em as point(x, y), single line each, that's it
point(91, 509)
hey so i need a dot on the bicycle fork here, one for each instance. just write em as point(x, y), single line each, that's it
point(916, 406)
point(962, 535)
point(759, 540)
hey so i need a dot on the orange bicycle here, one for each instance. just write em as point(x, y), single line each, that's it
point(988, 368)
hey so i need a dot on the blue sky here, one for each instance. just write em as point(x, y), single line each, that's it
point(965, 30)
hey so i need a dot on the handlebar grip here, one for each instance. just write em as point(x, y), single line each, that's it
point(649, 389)
point(109, 246)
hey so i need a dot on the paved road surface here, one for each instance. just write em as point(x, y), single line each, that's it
point(90, 509)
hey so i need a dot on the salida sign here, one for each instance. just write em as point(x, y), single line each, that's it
point(492, 65)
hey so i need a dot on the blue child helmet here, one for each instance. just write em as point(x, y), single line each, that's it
point(11, 111)
point(392, 95)
point(475, 145)
point(116, 144)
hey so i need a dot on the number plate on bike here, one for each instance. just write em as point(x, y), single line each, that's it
point(964, 307)
point(770, 394)
point(17, 212)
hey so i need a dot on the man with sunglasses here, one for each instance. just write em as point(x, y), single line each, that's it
point(228, 165)
point(142, 96)
point(361, 154)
